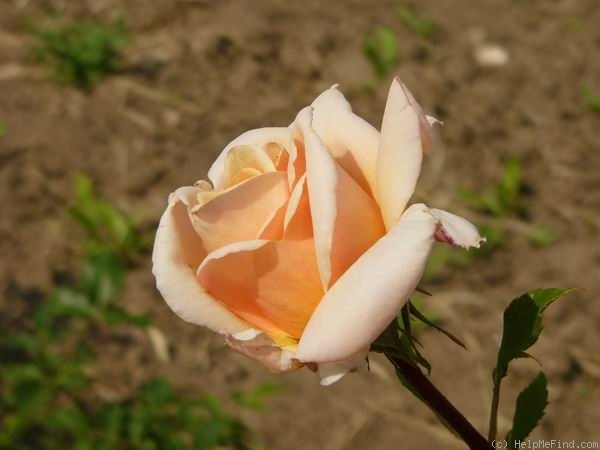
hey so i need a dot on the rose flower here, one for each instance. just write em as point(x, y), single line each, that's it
point(302, 249)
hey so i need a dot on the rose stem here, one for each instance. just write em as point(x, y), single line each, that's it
point(440, 404)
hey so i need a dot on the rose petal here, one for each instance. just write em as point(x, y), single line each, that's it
point(455, 230)
point(346, 221)
point(262, 137)
point(331, 372)
point(369, 295)
point(298, 195)
point(405, 136)
point(177, 254)
point(273, 285)
point(243, 212)
point(246, 161)
point(352, 141)
point(263, 350)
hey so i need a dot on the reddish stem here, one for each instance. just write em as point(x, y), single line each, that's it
point(440, 404)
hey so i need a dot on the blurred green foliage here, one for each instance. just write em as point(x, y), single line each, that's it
point(591, 99)
point(255, 398)
point(81, 53)
point(106, 226)
point(48, 397)
point(381, 50)
point(542, 236)
point(420, 25)
point(502, 198)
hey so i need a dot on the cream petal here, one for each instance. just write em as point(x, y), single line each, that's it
point(346, 221)
point(331, 372)
point(263, 137)
point(352, 141)
point(246, 161)
point(321, 180)
point(455, 230)
point(405, 136)
point(371, 293)
point(247, 335)
point(359, 306)
point(243, 212)
point(177, 254)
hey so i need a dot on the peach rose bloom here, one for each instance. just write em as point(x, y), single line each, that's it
point(301, 249)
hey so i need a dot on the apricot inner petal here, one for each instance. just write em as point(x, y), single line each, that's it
point(242, 212)
point(273, 285)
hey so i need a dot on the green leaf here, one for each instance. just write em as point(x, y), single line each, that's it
point(523, 325)
point(16, 344)
point(510, 183)
point(504, 196)
point(530, 406)
point(522, 328)
point(157, 392)
point(107, 227)
point(28, 387)
point(381, 50)
point(62, 303)
point(591, 99)
point(542, 236)
point(115, 315)
point(81, 53)
point(71, 420)
point(103, 277)
point(423, 26)
point(255, 399)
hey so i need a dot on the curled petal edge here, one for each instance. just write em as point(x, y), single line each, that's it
point(258, 346)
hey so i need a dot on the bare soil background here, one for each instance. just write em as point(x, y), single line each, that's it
point(199, 73)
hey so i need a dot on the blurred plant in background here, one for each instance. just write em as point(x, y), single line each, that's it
point(503, 198)
point(82, 53)
point(591, 99)
point(499, 202)
point(46, 390)
point(380, 46)
point(107, 228)
point(422, 26)
point(381, 50)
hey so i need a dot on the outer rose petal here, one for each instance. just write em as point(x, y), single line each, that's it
point(405, 136)
point(346, 221)
point(263, 137)
point(177, 253)
point(262, 349)
point(352, 141)
point(369, 295)
point(243, 212)
point(455, 230)
point(331, 372)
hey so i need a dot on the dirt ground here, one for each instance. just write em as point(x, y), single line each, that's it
point(198, 73)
